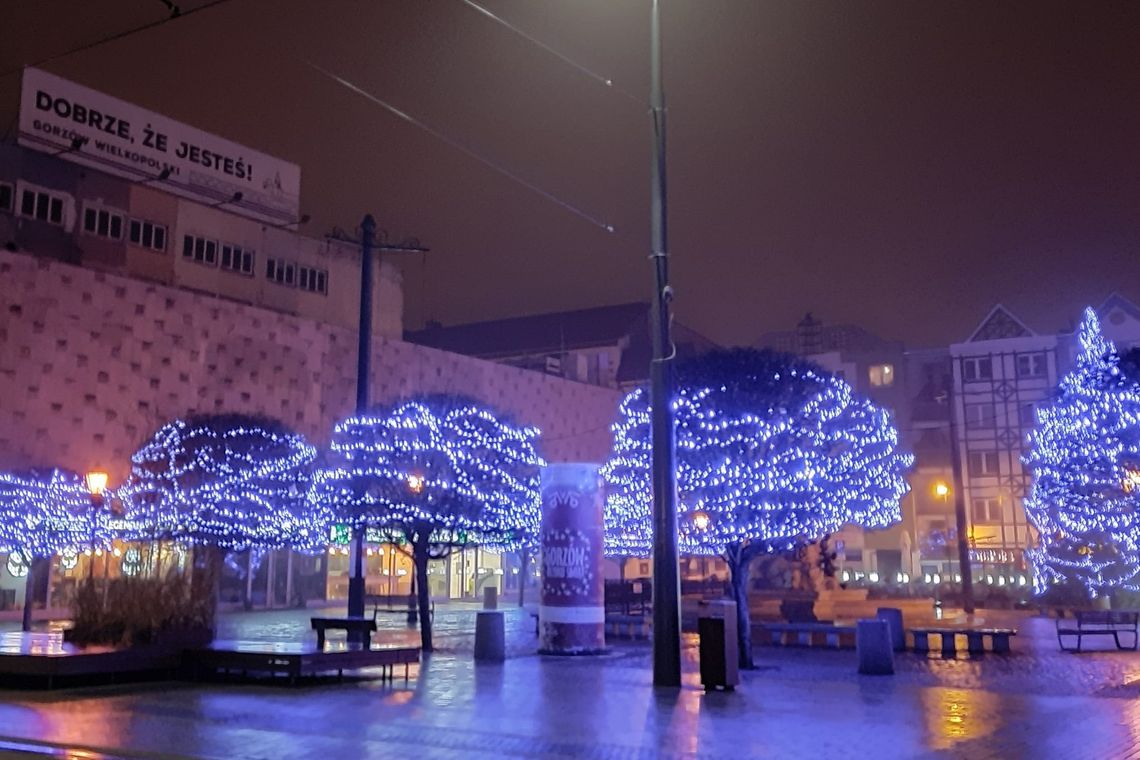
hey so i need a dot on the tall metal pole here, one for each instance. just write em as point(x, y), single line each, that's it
point(363, 371)
point(960, 509)
point(666, 580)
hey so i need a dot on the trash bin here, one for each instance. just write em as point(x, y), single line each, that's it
point(720, 660)
point(873, 647)
point(894, 617)
point(490, 639)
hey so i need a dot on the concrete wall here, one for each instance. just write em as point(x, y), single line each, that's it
point(91, 363)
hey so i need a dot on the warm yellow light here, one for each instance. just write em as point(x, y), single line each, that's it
point(1131, 479)
point(416, 483)
point(700, 520)
point(96, 482)
point(941, 489)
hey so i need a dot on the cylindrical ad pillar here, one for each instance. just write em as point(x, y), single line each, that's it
point(572, 615)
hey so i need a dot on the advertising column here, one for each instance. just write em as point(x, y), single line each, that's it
point(572, 614)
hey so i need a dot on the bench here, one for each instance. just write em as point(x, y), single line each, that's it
point(397, 603)
point(362, 626)
point(975, 639)
point(810, 634)
point(628, 626)
point(1098, 623)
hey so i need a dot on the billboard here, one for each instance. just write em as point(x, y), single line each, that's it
point(87, 127)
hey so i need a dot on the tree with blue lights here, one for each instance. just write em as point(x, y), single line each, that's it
point(44, 513)
point(438, 473)
point(233, 481)
point(1085, 459)
point(772, 454)
point(224, 483)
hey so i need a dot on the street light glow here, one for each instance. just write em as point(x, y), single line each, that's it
point(96, 482)
point(941, 489)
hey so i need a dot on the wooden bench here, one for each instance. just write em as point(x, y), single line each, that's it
point(810, 635)
point(293, 661)
point(396, 604)
point(975, 639)
point(628, 626)
point(362, 626)
point(1098, 623)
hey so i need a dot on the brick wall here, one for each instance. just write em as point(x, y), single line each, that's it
point(92, 363)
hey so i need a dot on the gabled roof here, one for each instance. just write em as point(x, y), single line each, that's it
point(1000, 323)
point(1117, 301)
point(538, 333)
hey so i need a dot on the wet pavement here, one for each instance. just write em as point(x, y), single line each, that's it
point(1036, 703)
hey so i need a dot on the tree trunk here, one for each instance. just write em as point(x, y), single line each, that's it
point(247, 602)
point(424, 593)
point(524, 560)
point(289, 580)
point(739, 560)
point(621, 569)
point(421, 545)
point(29, 593)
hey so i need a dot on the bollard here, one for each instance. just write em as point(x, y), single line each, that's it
point(490, 597)
point(873, 645)
point(894, 617)
point(490, 639)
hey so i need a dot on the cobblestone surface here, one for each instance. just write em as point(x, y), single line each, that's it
point(1037, 702)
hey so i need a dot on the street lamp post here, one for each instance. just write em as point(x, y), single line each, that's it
point(960, 513)
point(356, 585)
point(666, 580)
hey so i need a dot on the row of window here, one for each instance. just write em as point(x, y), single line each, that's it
point(99, 221)
point(984, 416)
point(977, 368)
point(292, 275)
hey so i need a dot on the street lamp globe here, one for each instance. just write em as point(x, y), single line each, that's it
point(96, 482)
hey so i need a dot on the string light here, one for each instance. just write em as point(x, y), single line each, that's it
point(445, 462)
point(48, 512)
point(779, 460)
point(232, 481)
point(1085, 455)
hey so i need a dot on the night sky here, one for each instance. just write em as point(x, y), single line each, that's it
point(901, 165)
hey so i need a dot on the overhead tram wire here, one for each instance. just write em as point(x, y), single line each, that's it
point(462, 148)
point(605, 81)
point(176, 13)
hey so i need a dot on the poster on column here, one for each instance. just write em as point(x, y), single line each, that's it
point(572, 611)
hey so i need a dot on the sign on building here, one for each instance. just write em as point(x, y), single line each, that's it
point(87, 127)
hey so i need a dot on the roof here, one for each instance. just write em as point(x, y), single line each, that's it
point(552, 333)
point(1000, 323)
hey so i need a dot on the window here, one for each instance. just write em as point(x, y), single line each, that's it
point(200, 250)
point(281, 272)
point(881, 375)
point(986, 510)
point(7, 197)
point(979, 415)
point(979, 368)
point(147, 234)
point(983, 463)
point(1031, 365)
point(853, 555)
point(42, 205)
point(237, 259)
point(103, 222)
point(312, 280)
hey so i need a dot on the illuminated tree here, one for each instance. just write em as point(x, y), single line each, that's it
point(44, 513)
point(1085, 460)
point(231, 481)
point(438, 472)
point(772, 454)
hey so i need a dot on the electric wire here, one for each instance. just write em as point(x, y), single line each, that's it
point(462, 148)
point(176, 13)
point(603, 80)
